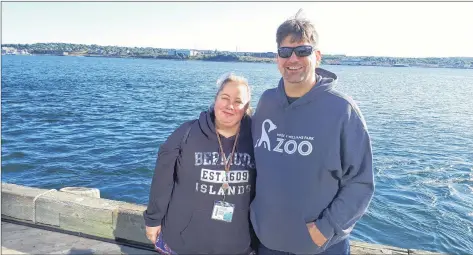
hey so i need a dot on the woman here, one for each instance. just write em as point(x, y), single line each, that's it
point(204, 179)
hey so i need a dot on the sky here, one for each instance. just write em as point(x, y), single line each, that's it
point(395, 29)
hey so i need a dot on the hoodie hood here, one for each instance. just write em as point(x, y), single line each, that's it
point(327, 82)
point(207, 125)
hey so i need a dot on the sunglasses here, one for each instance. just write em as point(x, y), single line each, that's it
point(301, 51)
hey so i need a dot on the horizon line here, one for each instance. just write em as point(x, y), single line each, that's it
point(332, 54)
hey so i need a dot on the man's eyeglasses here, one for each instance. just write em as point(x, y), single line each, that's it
point(301, 51)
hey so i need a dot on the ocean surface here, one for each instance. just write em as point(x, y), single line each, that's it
point(98, 122)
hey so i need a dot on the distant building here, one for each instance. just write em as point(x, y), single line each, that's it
point(263, 54)
point(184, 52)
point(269, 55)
point(13, 51)
point(207, 52)
point(8, 51)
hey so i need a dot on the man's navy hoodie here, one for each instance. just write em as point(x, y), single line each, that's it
point(314, 164)
point(184, 189)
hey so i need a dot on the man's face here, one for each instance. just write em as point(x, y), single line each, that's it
point(298, 69)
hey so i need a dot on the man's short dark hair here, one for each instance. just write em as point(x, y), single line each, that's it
point(299, 29)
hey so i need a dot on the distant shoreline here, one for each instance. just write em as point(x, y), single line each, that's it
point(69, 49)
point(239, 60)
point(217, 58)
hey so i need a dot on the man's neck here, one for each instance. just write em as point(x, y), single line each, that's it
point(299, 89)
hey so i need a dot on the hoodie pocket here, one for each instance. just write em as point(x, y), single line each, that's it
point(309, 244)
point(312, 246)
point(205, 235)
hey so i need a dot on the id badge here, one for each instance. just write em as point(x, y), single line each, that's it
point(223, 211)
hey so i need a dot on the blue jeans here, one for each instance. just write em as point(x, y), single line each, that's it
point(161, 247)
point(341, 248)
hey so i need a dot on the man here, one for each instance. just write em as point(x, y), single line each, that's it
point(313, 154)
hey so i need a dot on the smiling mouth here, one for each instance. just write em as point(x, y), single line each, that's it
point(293, 68)
point(227, 113)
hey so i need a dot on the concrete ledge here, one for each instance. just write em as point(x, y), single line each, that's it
point(366, 248)
point(17, 201)
point(76, 213)
point(73, 212)
point(130, 225)
point(107, 219)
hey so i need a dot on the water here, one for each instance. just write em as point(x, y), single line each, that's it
point(98, 122)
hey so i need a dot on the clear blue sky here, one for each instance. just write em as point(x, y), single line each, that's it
point(429, 29)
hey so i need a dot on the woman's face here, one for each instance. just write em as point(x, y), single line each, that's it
point(231, 104)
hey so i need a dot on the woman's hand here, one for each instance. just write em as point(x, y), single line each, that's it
point(152, 233)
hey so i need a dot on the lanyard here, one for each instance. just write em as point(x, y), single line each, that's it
point(225, 185)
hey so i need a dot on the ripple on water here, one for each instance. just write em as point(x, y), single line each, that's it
point(16, 167)
point(14, 155)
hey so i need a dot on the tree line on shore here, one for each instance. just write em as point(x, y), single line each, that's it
point(160, 53)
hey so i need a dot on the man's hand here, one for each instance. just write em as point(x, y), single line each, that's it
point(152, 233)
point(317, 237)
